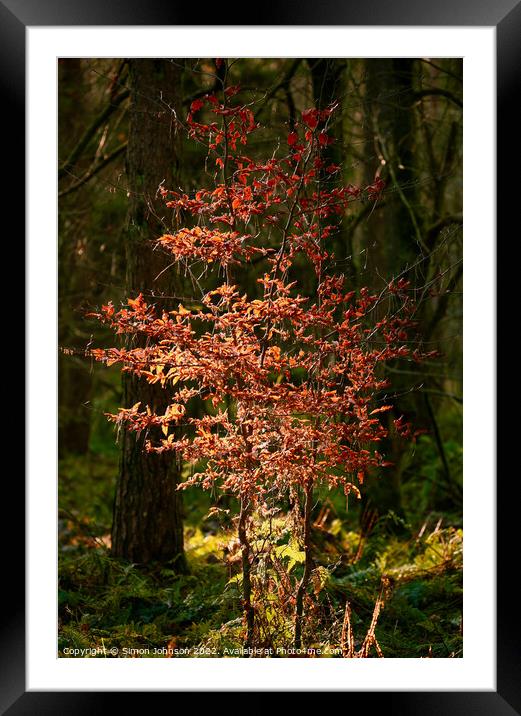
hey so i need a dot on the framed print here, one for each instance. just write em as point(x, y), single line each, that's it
point(248, 335)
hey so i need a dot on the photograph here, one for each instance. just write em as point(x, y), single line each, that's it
point(260, 357)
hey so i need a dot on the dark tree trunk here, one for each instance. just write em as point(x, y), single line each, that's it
point(147, 522)
point(391, 236)
point(327, 79)
point(75, 383)
point(406, 215)
point(390, 120)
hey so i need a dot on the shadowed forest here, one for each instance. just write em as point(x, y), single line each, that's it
point(260, 358)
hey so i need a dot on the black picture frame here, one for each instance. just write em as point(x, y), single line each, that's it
point(15, 16)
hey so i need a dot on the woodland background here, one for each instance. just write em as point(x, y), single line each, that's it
point(168, 582)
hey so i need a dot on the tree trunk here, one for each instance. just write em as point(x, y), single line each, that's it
point(147, 523)
point(75, 382)
point(327, 79)
point(389, 115)
point(392, 234)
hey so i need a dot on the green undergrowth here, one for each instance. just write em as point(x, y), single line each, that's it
point(104, 602)
point(111, 608)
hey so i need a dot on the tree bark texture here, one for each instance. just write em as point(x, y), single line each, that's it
point(147, 522)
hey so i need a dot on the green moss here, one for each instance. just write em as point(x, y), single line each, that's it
point(105, 603)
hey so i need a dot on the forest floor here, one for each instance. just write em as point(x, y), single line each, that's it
point(111, 608)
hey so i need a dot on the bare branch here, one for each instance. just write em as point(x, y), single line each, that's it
point(90, 132)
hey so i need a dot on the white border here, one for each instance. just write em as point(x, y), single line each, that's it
point(476, 670)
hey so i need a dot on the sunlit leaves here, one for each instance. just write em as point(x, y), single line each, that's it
point(292, 384)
